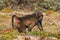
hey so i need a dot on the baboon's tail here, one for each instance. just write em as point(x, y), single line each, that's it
point(13, 20)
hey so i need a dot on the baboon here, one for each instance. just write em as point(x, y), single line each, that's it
point(28, 21)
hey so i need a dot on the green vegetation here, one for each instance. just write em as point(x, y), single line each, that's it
point(41, 5)
point(6, 10)
point(14, 33)
point(42, 33)
point(9, 35)
point(4, 16)
point(2, 27)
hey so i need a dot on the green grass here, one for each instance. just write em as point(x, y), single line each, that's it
point(2, 27)
point(4, 16)
point(42, 33)
point(14, 33)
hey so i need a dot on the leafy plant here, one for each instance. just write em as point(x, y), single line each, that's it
point(6, 10)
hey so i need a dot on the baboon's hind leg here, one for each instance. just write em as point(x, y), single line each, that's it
point(31, 26)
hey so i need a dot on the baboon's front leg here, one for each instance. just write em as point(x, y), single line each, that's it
point(40, 25)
